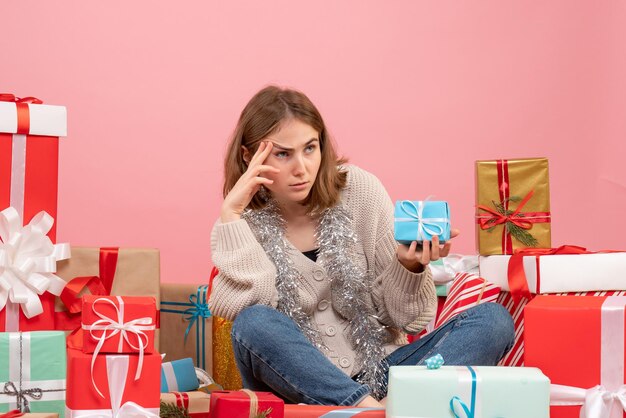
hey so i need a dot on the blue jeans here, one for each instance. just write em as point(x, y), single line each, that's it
point(273, 355)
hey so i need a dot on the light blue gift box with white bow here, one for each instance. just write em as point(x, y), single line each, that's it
point(468, 392)
point(179, 376)
point(421, 220)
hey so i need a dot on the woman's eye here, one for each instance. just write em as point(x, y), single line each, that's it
point(310, 148)
point(281, 154)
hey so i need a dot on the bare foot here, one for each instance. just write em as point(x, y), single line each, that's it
point(369, 402)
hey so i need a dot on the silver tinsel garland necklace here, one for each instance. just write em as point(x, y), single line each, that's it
point(349, 284)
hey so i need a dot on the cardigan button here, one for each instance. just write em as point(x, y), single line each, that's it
point(331, 331)
point(323, 305)
point(318, 275)
point(344, 362)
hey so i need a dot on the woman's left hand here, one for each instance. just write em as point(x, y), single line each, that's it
point(414, 258)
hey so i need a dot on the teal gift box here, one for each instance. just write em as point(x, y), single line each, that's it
point(460, 391)
point(421, 220)
point(33, 364)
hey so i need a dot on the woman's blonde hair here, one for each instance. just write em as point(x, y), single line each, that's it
point(261, 117)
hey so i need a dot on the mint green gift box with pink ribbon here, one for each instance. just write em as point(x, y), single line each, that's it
point(420, 220)
point(467, 392)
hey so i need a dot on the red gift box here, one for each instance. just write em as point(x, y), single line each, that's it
point(325, 411)
point(118, 382)
point(29, 149)
point(195, 403)
point(467, 290)
point(237, 404)
point(118, 324)
point(579, 342)
point(29, 155)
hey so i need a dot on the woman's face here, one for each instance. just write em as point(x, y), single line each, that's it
point(296, 152)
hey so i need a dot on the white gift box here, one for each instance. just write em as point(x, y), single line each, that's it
point(560, 273)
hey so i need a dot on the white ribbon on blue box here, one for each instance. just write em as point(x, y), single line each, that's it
point(421, 220)
point(178, 376)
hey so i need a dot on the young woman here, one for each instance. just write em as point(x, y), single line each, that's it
point(321, 295)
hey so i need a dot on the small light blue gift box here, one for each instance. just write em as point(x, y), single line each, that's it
point(178, 376)
point(464, 391)
point(421, 220)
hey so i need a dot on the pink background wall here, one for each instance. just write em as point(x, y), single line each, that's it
point(413, 91)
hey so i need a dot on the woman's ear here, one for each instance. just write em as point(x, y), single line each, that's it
point(246, 155)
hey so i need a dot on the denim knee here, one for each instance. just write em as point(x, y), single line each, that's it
point(498, 323)
point(253, 321)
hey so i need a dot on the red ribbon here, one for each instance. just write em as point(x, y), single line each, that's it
point(100, 285)
point(12, 414)
point(182, 399)
point(518, 283)
point(23, 111)
point(523, 220)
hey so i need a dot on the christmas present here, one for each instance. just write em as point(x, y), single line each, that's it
point(556, 270)
point(421, 220)
point(325, 411)
point(579, 344)
point(195, 403)
point(515, 356)
point(27, 265)
point(445, 269)
point(107, 271)
point(472, 391)
point(29, 156)
point(467, 290)
point(225, 372)
point(118, 324)
point(513, 205)
point(32, 371)
point(186, 323)
point(178, 376)
point(112, 385)
point(245, 403)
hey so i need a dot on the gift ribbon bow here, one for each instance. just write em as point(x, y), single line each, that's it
point(117, 370)
point(517, 217)
point(23, 111)
point(460, 408)
point(27, 264)
point(21, 395)
point(518, 283)
point(115, 326)
point(424, 225)
point(434, 362)
point(200, 308)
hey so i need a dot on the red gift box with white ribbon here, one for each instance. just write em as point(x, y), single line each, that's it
point(112, 385)
point(118, 324)
point(578, 342)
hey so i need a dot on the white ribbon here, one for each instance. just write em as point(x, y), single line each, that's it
point(608, 399)
point(424, 225)
point(106, 324)
point(453, 264)
point(117, 370)
point(27, 264)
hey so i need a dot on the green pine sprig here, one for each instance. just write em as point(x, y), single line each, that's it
point(516, 232)
point(170, 410)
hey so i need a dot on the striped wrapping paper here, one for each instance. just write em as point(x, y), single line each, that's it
point(515, 357)
point(467, 290)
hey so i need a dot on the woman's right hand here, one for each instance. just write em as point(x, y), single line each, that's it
point(248, 184)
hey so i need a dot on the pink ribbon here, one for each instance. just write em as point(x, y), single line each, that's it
point(106, 325)
point(608, 399)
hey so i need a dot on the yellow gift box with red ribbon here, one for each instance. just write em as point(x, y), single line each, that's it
point(512, 205)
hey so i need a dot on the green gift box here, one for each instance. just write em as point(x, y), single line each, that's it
point(476, 391)
point(32, 371)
